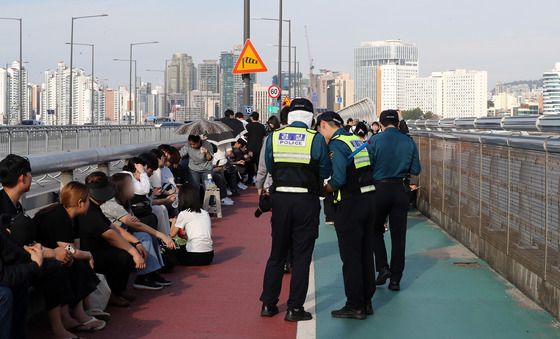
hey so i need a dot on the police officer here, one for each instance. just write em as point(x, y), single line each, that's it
point(394, 157)
point(352, 184)
point(297, 158)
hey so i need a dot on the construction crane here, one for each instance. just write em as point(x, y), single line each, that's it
point(312, 82)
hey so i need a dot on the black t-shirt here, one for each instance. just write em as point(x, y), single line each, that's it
point(22, 228)
point(55, 225)
point(255, 135)
point(90, 228)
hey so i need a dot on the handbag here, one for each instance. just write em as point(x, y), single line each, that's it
point(141, 206)
point(98, 299)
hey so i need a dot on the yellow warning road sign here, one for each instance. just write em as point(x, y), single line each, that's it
point(249, 60)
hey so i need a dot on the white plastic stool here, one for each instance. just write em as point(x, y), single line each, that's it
point(217, 207)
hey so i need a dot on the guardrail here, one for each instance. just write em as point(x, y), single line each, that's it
point(525, 123)
point(44, 139)
point(500, 196)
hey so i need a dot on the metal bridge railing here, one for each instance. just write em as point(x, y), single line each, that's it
point(44, 139)
point(500, 196)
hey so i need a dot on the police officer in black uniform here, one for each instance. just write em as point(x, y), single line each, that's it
point(394, 157)
point(352, 184)
point(297, 158)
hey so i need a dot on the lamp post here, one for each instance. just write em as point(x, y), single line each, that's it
point(280, 53)
point(290, 64)
point(20, 64)
point(130, 88)
point(92, 76)
point(130, 79)
point(72, 57)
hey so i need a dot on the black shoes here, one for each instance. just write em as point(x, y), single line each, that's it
point(349, 313)
point(269, 310)
point(158, 279)
point(369, 309)
point(297, 314)
point(382, 277)
point(394, 285)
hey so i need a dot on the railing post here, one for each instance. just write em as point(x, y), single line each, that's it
point(66, 177)
point(430, 171)
point(10, 144)
point(46, 141)
point(61, 140)
point(28, 141)
point(104, 167)
point(89, 137)
point(77, 139)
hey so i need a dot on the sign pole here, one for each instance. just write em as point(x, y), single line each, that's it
point(247, 35)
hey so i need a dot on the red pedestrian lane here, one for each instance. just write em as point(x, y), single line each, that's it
point(218, 301)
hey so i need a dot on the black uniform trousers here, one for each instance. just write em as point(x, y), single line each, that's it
point(354, 224)
point(295, 227)
point(392, 201)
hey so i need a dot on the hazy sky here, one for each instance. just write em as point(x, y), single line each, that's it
point(511, 39)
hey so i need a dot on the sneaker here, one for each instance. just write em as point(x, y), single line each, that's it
point(242, 186)
point(229, 193)
point(227, 202)
point(143, 283)
point(118, 301)
point(297, 314)
point(158, 279)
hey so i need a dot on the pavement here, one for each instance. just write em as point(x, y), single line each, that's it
point(446, 293)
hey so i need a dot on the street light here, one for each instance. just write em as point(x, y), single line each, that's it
point(20, 64)
point(130, 78)
point(280, 53)
point(92, 76)
point(290, 65)
point(72, 55)
point(130, 88)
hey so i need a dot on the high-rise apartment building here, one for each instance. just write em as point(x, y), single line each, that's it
point(231, 85)
point(10, 94)
point(551, 91)
point(209, 76)
point(465, 93)
point(382, 66)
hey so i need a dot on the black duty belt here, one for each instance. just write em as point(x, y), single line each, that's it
point(390, 181)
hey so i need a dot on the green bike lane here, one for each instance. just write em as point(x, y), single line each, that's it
point(446, 292)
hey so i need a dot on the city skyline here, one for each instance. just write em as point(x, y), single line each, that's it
point(450, 36)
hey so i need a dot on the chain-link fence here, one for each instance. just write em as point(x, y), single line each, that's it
point(500, 196)
point(37, 140)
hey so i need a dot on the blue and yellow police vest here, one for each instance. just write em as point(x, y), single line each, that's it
point(294, 170)
point(359, 177)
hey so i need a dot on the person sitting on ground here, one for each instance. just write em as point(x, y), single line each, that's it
point(52, 280)
point(163, 184)
point(141, 203)
point(55, 228)
point(18, 268)
point(194, 225)
point(240, 158)
point(118, 211)
point(116, 252)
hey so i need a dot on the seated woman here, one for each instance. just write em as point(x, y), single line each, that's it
point(141, 172)
point(193, 224)
point(118, 211)
point(55, 228)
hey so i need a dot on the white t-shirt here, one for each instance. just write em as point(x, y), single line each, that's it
point(197, 226)
point(156, 179)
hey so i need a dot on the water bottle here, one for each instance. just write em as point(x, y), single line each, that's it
point(209, 182)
